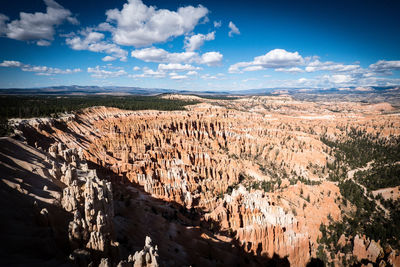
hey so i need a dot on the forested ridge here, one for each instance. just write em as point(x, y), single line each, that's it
point(28, 106)
point(356, 151)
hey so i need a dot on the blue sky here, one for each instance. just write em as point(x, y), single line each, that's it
point(200, 45)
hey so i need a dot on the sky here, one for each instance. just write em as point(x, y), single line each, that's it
point(200, 45)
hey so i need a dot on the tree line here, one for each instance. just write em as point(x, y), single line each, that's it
point(28, 106)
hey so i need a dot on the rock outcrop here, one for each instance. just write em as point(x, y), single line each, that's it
point(147, 257)
point(260, 175)
point(365, 249)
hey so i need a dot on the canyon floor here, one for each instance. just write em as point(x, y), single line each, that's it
point(241, 181)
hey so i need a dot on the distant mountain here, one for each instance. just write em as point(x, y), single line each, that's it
point(89, 90)
point(119, 90)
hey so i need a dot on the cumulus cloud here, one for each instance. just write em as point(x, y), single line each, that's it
point(211, 58)
point(290, 70)
point(43, 43)
point(277, 58)
point(159, 55)
point(234, 29)
point(217, 24)
point(207, 76)
point(194, 42)
point(171, 70)
point(102, 73)
point(39, 70)
point(317, 65)
point(3, 24)
point(385, 67)
point(10, 63)
point(38, 26)
point(176, 67)
point(191, 73)
point(339, 78)
point(136, 68)
point(149, 73)
point(178, 77)
point(108, 58)
point(139, 25)
point(94, 41)
point(254, 68)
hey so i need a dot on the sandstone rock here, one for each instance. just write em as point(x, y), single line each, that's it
point(365, 249)
point(394, 258)
point(105, 262)
point(77, 230)
point(71, 198)
point(97, 241)
point(193, 157)
point(147, 257)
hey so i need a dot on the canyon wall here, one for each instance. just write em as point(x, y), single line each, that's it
point(258, 177)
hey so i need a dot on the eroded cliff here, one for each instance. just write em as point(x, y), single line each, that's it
point(252, 172)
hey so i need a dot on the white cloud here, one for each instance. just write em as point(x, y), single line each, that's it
point(217, 24)
point(136, 68)
point(317, 65)
point(211, 58)
point(290, 70)
point(172, 70)
point(39, 70)
point(277, 58)
point(176, 67)
point(98, 72)
point(108, 58)
point(93, 41)
point(38, 26)
point(149, 73)
point(191, 73)
point(194, 42)
point(209, 77)
point(254, 68)
point(3, 24)
point(302, 80)
point(159, 55)
point(178, 77)
point(139, 25)
point(44, 70)
point(326, 81)
point(43, 43)
point(10, 63)
point(249, 79)
point(234, 29)
point(385, 67)
point(339, 78)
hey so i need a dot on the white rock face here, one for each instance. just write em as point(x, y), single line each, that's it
point(87, 197)
point(147, 257)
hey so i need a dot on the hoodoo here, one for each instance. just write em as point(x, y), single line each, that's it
point(212, 184)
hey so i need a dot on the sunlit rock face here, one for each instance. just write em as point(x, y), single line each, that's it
point(210, 160)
